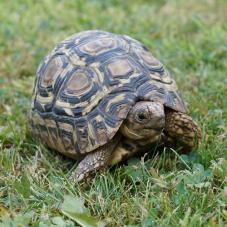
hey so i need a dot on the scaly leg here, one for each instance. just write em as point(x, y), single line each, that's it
point(95, 161)
point(181, 131)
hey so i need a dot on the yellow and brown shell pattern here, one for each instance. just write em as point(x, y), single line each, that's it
point(85, 87)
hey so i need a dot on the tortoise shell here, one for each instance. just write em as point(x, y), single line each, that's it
point(86, 86)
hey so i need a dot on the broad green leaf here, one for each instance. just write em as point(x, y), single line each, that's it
point(73, 207)
point(180, 188)
point(60, 222)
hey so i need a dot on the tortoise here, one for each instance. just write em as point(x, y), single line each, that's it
point(101, 98)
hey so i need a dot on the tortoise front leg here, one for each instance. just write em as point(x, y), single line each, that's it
point(181, 131)
point(96, 161)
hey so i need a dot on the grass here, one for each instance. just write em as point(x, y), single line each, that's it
point(190, 38)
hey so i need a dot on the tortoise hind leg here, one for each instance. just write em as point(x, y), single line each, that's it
point(95, 161)
point(181, 131)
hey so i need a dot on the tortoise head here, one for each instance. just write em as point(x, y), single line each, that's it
point(146, 119)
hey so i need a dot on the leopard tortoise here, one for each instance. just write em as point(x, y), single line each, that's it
point(100, 98)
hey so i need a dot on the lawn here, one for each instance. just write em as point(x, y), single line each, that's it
point(190, 39)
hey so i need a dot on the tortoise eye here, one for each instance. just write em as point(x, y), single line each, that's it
point(142, 116)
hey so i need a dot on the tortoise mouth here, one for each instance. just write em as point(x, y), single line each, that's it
point(157, 124)
point(156, 128)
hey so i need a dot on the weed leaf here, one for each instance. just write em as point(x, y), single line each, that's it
point(73, 207)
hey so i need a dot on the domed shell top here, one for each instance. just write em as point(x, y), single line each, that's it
point(86, 86)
